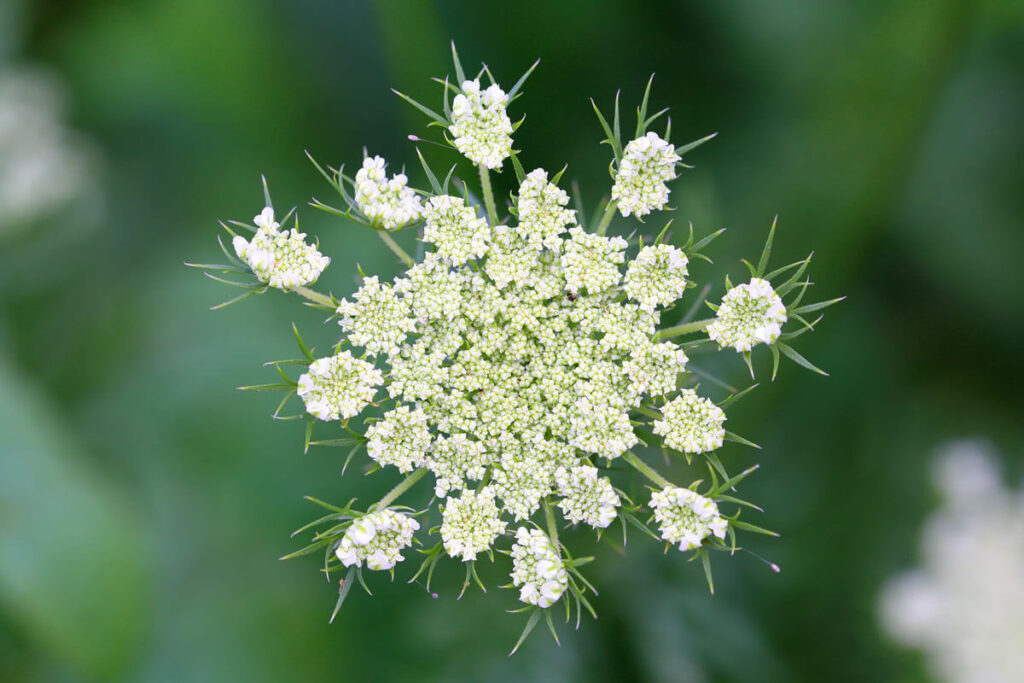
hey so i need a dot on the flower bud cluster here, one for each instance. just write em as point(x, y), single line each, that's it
point(455, 230)
point(691, 424)
point(657, 276)
point(401, 438)
point(280, 258)
point(749, 314)
point(377, 538)
point(377, 319)
point(686, 518)
point(586, 497)
point(387, 202)
point(537, 570)
point(470, 523)
point(647, 163)
point(338, 387)
point(480, 126)
point(542, 213)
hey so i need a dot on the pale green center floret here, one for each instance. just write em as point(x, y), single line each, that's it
point(591, 261)
point(657, 276)
point(586, 497)
point(280, 258)
point(522, 480)
point(748, 315)
point(453, 460)
point(454, 229)
point(480, 127)
point(686, 518)
point(378, 538)
point(647, 163)
point(510, 260)
point(537, 570)
point(654, 369)
point(378, 319)
point(691, 424)
point(542, 213)
point(388, 203)
point(401, 438)
point(338, 387)
point(471, 523)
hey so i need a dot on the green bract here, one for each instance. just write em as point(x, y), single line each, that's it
point(523, 353)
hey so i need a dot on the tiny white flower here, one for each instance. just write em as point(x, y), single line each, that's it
point(378, 539)
point(471, 523)
point(657, 276)
point(338, 387)
point(481, 129)
point(455, 230)
point(586, 497)
point(647, 163)
point(748, 315)
point(691, 424)
point(537, 570)
point(686, 518)
point(281, 259)
point(387, 202)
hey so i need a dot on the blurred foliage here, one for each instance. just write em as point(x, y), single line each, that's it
point(143, 502)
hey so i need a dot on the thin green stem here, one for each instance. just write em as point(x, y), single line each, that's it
point(399, 252)
point(686, 328)
point(315, 297)
point(645, 469)
point(648, 412)
point(488, 192)
point(552, 526)
point(401, 488)
point(606, 217)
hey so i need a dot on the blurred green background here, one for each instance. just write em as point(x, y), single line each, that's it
point(144, 502)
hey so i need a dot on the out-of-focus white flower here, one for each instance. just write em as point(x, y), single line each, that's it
point(586, 497)
point(44, 166)
point(471, 523)
point(338, 387)
point(542, 213)
point(657, 276)
point(401, 438)
point(280, 258)
point(964, 604)
point(455, 230)
point(387, 202)
point(480, 127)
point(685, 517)
point(647, 163)
point(378, 539)
point(691, 424)
point(749, 314)
point(537, 569)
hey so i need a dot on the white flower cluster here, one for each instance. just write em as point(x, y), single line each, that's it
point(542, 213)
point(685, 517)
point(455, 230)
point(657, 276)
point(377, 319)
point(378, 538)
point(387, 202)
point(480, 127)
point(280, 258)
point(964, 606)
point(691, 424)
point(338, 387)
point(592, 261)
point(647, 163)
point(586, 497)
point(401, 438)
point(537, 570)
point(749, 314)
point(470, 523)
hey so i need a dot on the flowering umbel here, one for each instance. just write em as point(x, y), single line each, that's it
point(520, 358)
